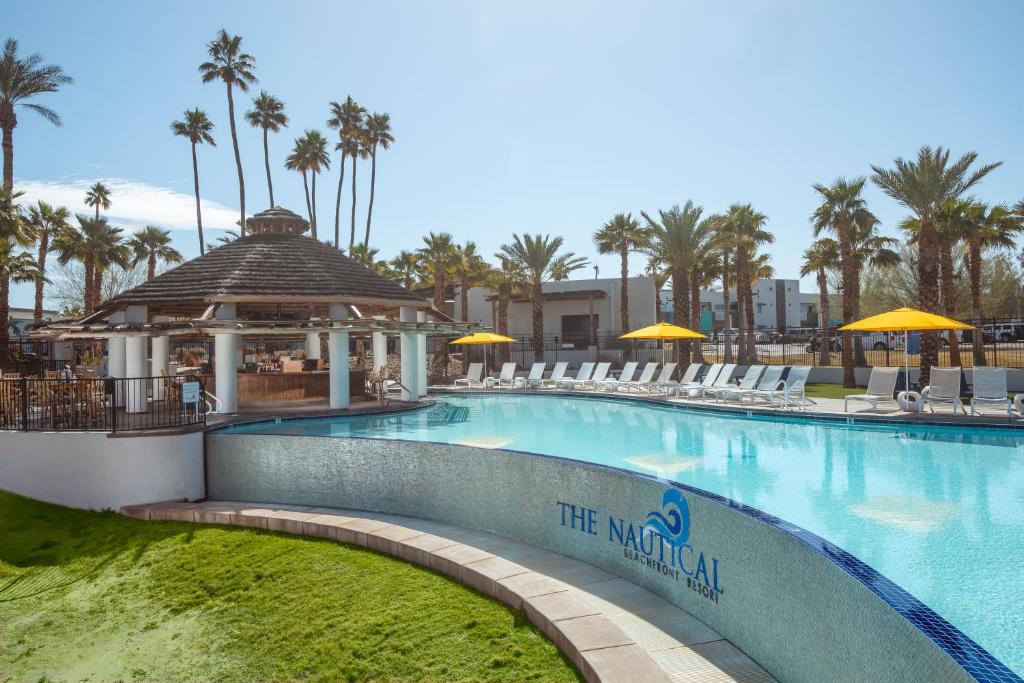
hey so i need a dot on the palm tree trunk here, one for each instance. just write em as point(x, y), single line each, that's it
point(725, 300)
point(440, 285)
point(977, 339)
point(8, 145)
point(741, 300)
point(5, 309)
point(97, 210)
point(312, 202)
point(464, 299)
point(337, 204)
point(823, 350)
point(846, 266)
point(44, 245)
point(698, 354)
point(238, 160)
point(373, 182)
point(89, 265)
point(949, 301)
point(151, 266)
point(681, 310)
point(627, 348)
point(537, 305)
point(928, 295)
point(503, 326)
point(199, 210)
point(97, 286)
point(266, 163)
point(309, 206)
point(352, 236)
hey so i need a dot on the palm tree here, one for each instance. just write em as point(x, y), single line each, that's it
point(97, 245)
point(842, 212)
point(356, 148)
point(228, 237)
point(267, 113)
point(675, 240)
point(743, 229)
point(367, 256)
point(537, 255)
point(439, 256)
point(317, 160)
point(819, 258)
point(405, 268)
point(300, 160)
point(98, 196)
point(621, 235)
point(378, 134)
point(12, 232)
point(507, 281)
point(472, 270)
point(44, 224)
point(20, 81)
point(345, 117)
point(706, 269)
point(235, 68)
point(152, 244)
point(985, 228)
point(921, 185)
point(197, 129)
point(17, 267)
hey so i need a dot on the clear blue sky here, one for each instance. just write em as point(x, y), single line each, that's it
point(531, 116)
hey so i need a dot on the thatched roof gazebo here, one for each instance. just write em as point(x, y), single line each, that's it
point(275, 281)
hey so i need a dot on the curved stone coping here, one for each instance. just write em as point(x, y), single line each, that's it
point(611, 629)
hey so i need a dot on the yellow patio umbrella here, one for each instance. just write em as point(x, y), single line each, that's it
point(905, 320)
point(482, 338)
point(661, 332)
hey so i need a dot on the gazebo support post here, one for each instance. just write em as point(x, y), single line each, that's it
point(225, 361)
point(409, 347)
point(313, 345)
point(116, 366)
point(136, 362)
point(160, 352)
point(421, 358)
point(337, 350)
point(380, 351)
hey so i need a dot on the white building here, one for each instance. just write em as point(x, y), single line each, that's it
point(777, 304)
point(570, 308)
point(20, 320)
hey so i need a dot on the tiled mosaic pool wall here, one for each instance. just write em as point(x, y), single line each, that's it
point(783, 600)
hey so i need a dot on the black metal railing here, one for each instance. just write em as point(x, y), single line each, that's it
point(100, 405)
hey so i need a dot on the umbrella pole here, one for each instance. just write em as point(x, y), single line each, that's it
point(906, 358)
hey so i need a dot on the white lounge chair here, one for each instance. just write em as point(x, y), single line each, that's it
point(944, 388)
point(598, 378)
point(557, 375)
point(507, 377)
point(749, 381)
point(720, 382)
point(625, 377)
point(664, 382)
point(646, 375)
point(691, 373)
point(535, 377)
point(881, 385)
point(770, 382)
point(696, 389)
point(990, 389)
point(473, 377)
point(586, 370)
point(793, 391)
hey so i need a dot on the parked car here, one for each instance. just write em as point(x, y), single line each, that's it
point(874, 341)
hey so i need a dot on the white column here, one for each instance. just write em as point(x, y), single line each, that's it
point(225, 349)
point(337, 349)
point(380, 351)
point(116, 366)
point(136, 368)
point(160, 364)
point(312, 345)
point(409, 349)
point(421, 361)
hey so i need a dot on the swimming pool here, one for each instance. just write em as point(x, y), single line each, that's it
point(938, 510)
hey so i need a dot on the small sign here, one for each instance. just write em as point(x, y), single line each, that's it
point(190, 392)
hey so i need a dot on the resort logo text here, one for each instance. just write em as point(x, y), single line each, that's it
point(660, 543)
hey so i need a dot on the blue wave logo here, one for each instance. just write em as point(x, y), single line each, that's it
point(673, 521)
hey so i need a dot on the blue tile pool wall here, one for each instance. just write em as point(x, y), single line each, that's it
point(800, 607)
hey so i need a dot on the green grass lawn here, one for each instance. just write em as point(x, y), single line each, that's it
point(831, 391)
point(88, 596)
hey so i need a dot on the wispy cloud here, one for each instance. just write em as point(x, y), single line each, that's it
point(133, 204)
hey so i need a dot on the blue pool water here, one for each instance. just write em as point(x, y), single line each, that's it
point(938, 510)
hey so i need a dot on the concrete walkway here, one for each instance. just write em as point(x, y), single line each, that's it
point(611, 629)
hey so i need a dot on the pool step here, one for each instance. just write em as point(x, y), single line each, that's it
point(611, 629)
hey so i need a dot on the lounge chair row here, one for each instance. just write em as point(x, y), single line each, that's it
point(591, 376)
point(769, 383)
point(988, 388)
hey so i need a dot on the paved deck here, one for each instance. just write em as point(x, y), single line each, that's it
point(611, 629)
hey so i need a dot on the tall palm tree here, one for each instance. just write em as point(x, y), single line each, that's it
point(706, 268)
point(153, 244)
point(842, 212)
point(439, 256)
point(197, 128)
point(44, 224)
point(378, 134)
point(235, 69)
point(405, 268)
point(345, 117)
point(538, 255)
point(472, 270)
point(724, 245)
point(298, 160)
point(98, 246)
point(985, 228)
point(507, 281)
point(356, 148)
point(12, 232)
point(621, 235)
point(15, 266)
point(20, 81)
point(367, 256)
point(98, 196)
point(743, 228)
point(268, 114)
point(675, 240)
point(317, 160)
point(819, 258)
point(921, 185)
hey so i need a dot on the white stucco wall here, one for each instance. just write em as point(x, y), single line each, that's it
point(93, 471)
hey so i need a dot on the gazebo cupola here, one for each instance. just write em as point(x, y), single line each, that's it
point(278, 220)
